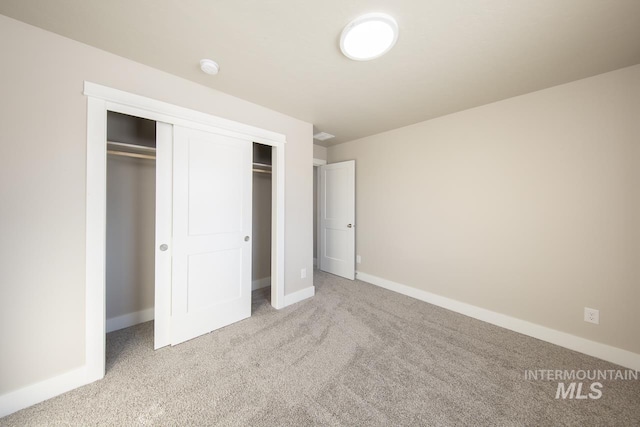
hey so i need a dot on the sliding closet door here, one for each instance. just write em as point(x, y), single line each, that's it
point(211, 255)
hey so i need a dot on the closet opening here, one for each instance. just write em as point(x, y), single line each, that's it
point(130, 221)
point(261, 224)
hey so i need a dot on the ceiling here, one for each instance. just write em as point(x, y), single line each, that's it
point(285, 55)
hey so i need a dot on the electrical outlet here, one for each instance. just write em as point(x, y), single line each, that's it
point(358, 259)
point(592, 315)
point(303, 273)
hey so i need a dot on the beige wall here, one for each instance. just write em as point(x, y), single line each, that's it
point(528, 207)
point(42, 188)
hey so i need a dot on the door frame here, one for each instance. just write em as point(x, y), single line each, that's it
point(100, 100)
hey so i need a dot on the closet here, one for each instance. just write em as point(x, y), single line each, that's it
point(261, 221)
point(130, 236)
point(130, 219)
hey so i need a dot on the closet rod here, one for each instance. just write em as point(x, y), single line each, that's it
point(262, 165)
point(147, 156)
point(128, 154)
point(262, 171)
point(132, 146)
point(152, 157)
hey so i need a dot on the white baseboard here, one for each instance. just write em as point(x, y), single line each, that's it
point(299, 295)
point(265, 282)
point(602, 351)
point(126, 320)
point(41, 391)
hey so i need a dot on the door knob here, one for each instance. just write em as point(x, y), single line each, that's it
point(164, 247)
point(349, 225)
point(246, 238)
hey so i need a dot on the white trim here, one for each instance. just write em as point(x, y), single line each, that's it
point(41, 391)
point(300, 295)
point(126, 320)
point(319, 162)
point(602, 351)
point(265, 282)
point(316, 213)
point(96, 226)
point(277, 227)
point(102, 99)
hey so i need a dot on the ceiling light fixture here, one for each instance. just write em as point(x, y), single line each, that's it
point(369, 36)
point(209, 66)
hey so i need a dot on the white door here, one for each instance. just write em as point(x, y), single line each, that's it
point(337, 218)
point(211, 246)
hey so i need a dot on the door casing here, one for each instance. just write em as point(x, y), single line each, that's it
point(100, 100)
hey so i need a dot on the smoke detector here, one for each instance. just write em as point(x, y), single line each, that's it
point(208, 66)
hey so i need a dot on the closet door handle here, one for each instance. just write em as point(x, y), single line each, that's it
point(164, 247)
point(246, 238)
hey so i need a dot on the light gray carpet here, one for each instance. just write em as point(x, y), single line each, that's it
point(353, 355)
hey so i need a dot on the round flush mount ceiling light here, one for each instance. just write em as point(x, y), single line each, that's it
point(369, 36)
point(208, 66)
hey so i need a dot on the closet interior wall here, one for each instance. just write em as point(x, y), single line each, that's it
point(130, 240)
point(261, 249)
